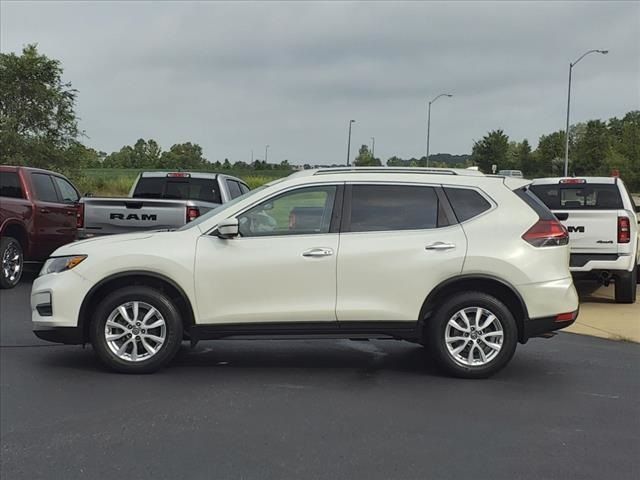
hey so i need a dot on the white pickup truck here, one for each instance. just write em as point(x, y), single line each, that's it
point(157, 201)
point(602, 220)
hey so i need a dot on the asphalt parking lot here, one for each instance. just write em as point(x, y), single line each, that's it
point(566, 407)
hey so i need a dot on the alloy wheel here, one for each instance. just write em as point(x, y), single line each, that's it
point(135, 331)
point(11, 262)
point(474, 336)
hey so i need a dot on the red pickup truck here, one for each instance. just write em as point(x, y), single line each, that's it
point(38, 213)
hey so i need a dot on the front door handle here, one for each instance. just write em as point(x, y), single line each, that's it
point(45, 210)
point(318, 252)
point(440, 246)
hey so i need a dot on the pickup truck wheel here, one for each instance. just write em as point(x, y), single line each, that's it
point(472, 335)
point(626, 286)
point(136, 330)
point(12, 262)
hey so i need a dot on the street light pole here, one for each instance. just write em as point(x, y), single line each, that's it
point(373, 147)
point(349, 141)
point(566, 132)
point(429, 120)
point(266, 150)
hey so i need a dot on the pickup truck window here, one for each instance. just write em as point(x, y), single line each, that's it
point(378, 208)
point(593, 196)
point(234, 188)
point(299, 212)
point(45, 191)
point(244, 188)
point(69, 194)
point(202, 189)
point(10, 185)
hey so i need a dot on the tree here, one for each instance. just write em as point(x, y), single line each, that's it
point(37, 117)
point(549, 154)
point(226, 165)
point(365, 159)
point(523, 159)
point(591, 149)
point(491, 150)
point(185, 156)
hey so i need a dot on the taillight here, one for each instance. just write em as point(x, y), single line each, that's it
point(192, 213)
point(80, 216)
point(624, 230)
point(547, 233)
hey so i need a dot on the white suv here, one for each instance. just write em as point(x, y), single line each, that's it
point(602, 220)
point(464, 263)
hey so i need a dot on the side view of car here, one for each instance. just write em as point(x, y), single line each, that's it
point(465, 264)
point(38, 213)
point(602, 220)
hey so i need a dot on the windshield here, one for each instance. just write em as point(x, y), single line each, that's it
point(222, 207)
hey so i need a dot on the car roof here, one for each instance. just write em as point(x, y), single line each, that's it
point(389, 171)
point(15, 168)
point(155, 174)
point(556, 180)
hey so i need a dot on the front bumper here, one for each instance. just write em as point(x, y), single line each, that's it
point(66, 335)
point(55, 305)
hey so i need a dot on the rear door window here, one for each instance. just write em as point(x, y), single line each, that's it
point(466, 203)
point(10, 185)
point(586, 196)
point(376, 208)
point(45, 190)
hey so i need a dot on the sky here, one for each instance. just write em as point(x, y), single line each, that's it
point(234, 77)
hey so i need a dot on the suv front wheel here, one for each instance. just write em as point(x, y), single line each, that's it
point(472, 335)
point(136, 330)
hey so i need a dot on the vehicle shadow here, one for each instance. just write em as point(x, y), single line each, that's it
point(277, 358)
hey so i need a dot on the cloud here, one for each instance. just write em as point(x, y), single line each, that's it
point(236, 76)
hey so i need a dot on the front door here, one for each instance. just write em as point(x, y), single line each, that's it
point(394, 249)
point(282, 267)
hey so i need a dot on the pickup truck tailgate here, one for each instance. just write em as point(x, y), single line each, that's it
point(590, 230)
point(104, 216)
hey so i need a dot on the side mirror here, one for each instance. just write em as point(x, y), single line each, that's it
point(228, 228)
point(88, 194)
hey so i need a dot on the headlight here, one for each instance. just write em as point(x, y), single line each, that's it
point(60, 264)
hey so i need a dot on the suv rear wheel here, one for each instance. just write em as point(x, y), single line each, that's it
point(12, 262)
point(136, 330)
point(472, 335)
point(625, 286)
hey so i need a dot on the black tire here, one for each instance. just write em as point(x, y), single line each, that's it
point(172, 334)
point(436, 326)
point(625, 284)
point(10, 247)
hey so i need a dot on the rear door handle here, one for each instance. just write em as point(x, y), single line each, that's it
point(318, 252)
point(440, 246)
point(45, 210)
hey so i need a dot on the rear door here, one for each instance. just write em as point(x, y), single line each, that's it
point(55, 222)
point(588, 210)
point(396, 244)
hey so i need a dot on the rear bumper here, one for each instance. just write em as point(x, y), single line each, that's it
point(588, 262)
point(539, 326)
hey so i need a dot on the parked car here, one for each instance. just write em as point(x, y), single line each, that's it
point(466, 264)
point(158, 200)
point(38, 211)
point(602, 220)
point(511, 173)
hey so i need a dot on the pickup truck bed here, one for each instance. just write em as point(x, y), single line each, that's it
point(158, 200)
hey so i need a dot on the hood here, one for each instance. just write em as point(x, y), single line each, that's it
point(83, 246)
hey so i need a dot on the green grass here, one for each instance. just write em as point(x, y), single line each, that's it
point(117, 182)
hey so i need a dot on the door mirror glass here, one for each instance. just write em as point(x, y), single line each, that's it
point(228, 228)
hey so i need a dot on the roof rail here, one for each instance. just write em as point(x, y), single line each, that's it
point(430, 171)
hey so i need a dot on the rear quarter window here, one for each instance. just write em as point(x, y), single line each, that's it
point(585, 196)
point(466, 203)
point(43, 184)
